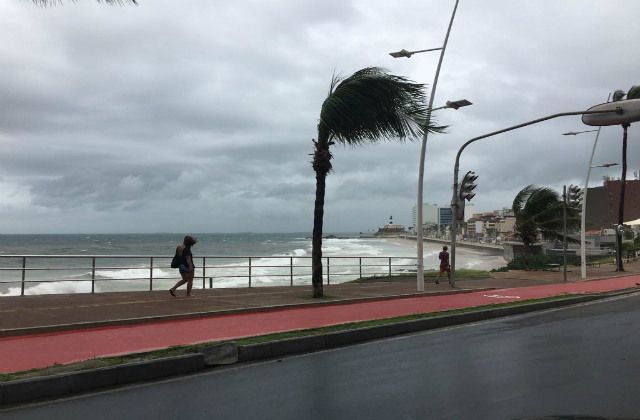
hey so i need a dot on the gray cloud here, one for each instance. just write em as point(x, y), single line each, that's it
point(163, 117)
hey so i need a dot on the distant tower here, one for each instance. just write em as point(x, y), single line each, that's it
point(390, 220)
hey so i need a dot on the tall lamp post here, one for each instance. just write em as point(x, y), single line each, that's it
point(583, 247)
point(419, 239)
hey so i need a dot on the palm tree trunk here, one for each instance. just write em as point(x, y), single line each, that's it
point(527, 251)
point(623, 181)
point(322, 166)
point(316, 244)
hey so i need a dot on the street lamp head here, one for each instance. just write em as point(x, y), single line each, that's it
point(575, 133)
point(408, 54)
point(458, 104)
point(605, 165)
point(613, 113)
point(401, 53)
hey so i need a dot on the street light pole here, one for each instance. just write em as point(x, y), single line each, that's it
point(583, 216)
point(454, 201)
point(583, 223)
point(419, 239)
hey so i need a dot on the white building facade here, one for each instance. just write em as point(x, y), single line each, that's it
point(429, 216)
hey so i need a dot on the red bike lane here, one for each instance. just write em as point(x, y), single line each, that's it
point(42, 350)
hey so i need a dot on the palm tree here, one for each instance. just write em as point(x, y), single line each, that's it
point(618, 95)
point(369, 106)
point(539, 211)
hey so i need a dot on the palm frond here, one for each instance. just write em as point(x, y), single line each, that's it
point(540, 210)
point(634, 92)
point(618, 95)
point(372, 105)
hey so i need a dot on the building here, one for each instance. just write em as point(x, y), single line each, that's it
point(436, 218)
point(390, 229)
point(603, 204)
point(429, 216)
point(495, 226)
point(469, 211)
point(445, 218)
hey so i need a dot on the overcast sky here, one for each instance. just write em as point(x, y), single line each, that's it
point(198, 116)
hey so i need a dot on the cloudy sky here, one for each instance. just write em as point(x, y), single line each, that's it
point(198, 116)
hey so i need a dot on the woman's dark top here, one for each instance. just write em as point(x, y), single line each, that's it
point(187, 252)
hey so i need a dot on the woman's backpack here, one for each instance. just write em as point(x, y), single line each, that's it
point(177, 260)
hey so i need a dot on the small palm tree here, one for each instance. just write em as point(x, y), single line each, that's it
point(618, 95)
point(539, 211)
point(369, 106)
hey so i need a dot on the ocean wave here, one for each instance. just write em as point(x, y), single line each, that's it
point(295, 253)
point(53, 288)
point(133, 273)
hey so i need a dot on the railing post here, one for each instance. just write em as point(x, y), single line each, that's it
point(204, 273)
point(328, 270)
point(151, 274)
point(389, 269)
point(249, 271)
point(360, 264)
point(24, 272)
point(291, 269)
point(93, 274)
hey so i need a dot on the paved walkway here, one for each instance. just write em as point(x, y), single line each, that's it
point(38, 331)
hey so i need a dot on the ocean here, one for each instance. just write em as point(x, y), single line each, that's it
point(271, 256)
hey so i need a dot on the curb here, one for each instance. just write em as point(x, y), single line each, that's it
point(25, 390)
point(68, 384)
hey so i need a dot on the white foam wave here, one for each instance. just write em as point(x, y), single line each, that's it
point(133, 273)
point(51, 288)
point(295, 253)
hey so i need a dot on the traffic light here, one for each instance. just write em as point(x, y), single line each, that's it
point(467, 186)
point(466, 192)
point(574, 194)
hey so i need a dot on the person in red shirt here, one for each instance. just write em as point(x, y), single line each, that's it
point(444, 264)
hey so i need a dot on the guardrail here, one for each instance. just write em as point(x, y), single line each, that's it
point(25, 270)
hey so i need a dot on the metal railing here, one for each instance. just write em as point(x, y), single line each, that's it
point(211, 270)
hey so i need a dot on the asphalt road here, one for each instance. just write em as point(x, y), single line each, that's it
point(579, 360)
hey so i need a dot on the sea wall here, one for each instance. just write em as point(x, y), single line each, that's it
point(489, 248)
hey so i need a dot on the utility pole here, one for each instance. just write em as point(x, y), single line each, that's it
point(564, 232)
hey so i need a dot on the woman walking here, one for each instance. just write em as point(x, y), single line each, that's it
point(186, 268)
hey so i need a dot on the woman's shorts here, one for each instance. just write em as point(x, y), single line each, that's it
point(183, 269)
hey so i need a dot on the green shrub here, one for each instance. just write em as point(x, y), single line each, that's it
point(539, 262)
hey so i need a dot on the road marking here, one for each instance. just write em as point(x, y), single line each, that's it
point(502, 297)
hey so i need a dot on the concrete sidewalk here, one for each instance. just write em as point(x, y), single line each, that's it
point(22, 315)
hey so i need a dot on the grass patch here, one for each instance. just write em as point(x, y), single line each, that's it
point(182, 350)
point(461, 273)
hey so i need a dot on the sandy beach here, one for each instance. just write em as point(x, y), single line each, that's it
point(468, 258)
